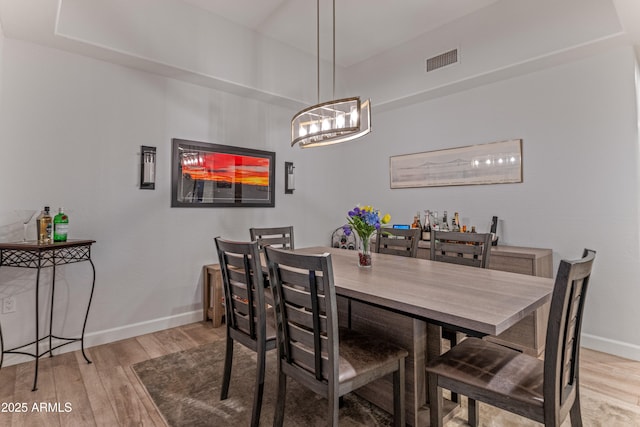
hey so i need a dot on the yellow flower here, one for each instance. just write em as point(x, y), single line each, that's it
point(385, 219)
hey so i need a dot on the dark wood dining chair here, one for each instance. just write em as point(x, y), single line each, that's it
point(246, 317)
point(312, 350)
point(473, 249)
point(398, 241)
point(544, 391)
point(279, 237)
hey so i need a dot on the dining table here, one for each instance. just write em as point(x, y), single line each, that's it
point(408, 300)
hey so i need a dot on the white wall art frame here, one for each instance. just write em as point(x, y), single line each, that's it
point(493, 163)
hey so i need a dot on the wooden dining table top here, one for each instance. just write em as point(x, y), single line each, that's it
point(480, 300)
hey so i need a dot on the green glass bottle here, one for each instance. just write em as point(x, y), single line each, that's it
point(60, 226)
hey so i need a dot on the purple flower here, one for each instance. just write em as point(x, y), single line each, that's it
point(363, 221)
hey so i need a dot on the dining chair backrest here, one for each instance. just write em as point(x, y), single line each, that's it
point(246, 315)
point(398, 241)
point(307, 327)
point(243, 289)
point(473, 249)
point(278, 237)
point(562, 346)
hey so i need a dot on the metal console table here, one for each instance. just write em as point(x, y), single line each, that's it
point(34, 255)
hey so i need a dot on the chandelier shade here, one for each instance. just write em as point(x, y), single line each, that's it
point(331, 122)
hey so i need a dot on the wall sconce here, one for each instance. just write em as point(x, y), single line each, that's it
point(147, 168)
point(289, 178)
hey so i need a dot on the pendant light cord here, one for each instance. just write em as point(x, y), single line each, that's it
point(334, 49)
point(318, 47)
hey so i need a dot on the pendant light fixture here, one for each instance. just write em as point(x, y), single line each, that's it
point(330, 122)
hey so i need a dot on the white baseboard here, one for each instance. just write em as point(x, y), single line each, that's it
point(606, 345)
point(115, 334)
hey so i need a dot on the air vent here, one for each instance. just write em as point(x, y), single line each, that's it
point(442, 60)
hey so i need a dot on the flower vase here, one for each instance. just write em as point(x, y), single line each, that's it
point(364, 252)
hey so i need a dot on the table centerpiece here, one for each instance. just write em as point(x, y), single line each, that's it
point(364, 221)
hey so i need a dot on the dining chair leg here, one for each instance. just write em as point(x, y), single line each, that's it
point(278, 416)
point(399, 416)
point(473, 416)
point(228, 361)
point(454, 342)
point(574, 412)
point(259, 388)
point(334, 408)
point(435, 401)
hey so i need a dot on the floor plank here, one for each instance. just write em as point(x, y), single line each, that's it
point(46, 393)
point(611, 375)
point(100, 405)
point(113, 363)
point(7, 392)
point(71, 394)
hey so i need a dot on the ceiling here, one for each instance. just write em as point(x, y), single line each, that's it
point(375, 39)
point(364, 28)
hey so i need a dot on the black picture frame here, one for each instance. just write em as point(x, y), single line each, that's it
point(205, 175)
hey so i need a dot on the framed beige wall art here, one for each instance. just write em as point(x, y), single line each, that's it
point(493, 163)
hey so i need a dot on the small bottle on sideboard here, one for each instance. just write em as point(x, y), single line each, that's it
point(445, 223)
point(455, 222)
point(494, 231)
point(60, 226)
point(426, 227)
point(44, 226)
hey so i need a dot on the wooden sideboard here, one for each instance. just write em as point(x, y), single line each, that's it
point(212, 307)
point(529, 334)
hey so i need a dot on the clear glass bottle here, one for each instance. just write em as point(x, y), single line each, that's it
point(455, 223)
point(435, 224)
point(445, 224)
point(426, 227)
point(60, 226)
point(44, 226)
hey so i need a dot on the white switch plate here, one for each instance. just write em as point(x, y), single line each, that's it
point(8, 305)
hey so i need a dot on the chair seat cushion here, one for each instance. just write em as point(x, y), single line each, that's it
point(491, 367)
point(360, 353)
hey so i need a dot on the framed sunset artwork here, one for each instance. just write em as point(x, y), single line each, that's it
point(214, 175)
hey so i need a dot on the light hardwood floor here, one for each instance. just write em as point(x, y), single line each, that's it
point(107, 392)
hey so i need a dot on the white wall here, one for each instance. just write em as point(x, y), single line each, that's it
point(580, 162)
point(71, 128)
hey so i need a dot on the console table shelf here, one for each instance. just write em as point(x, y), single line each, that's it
point(39, 256)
